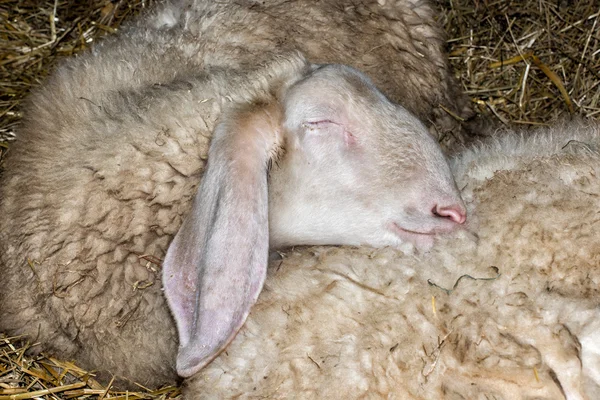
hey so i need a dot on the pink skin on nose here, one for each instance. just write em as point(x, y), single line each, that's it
point(454, 212)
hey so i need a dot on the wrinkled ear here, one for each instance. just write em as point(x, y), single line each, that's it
point(216, 265)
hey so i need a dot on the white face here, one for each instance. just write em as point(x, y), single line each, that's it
point(357, 170)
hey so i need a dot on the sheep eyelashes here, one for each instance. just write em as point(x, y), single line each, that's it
point(216, 265)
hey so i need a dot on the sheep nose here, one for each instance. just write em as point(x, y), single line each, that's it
point(454, 212)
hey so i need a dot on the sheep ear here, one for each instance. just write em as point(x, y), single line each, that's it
point(216, 265)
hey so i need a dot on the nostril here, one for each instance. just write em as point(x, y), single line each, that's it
point(456, 213)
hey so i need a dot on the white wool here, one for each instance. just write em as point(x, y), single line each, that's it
point(167, 17)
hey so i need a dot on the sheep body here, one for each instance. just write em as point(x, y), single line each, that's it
point(113, 146)
point(398, 43)
point(364, 323)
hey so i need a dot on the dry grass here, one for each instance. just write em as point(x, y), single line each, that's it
point(29, 377)
point(521, 62)
point(527, 62)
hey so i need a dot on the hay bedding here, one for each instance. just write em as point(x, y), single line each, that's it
point(520, 62)
point(526, 62)
point(24, 377)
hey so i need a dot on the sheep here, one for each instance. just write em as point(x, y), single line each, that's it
point(507, 308)
point(195, 139)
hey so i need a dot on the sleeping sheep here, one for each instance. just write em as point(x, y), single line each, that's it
point(106, 174)
point(507, 308)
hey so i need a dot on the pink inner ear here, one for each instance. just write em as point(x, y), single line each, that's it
point(216, 265)
point(328, 126)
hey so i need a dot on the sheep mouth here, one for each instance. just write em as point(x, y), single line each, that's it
point(400, 230)
point(422, 240)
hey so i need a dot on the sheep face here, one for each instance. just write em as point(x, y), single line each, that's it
point(357, 169)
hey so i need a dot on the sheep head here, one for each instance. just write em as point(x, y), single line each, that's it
point(355, 169)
